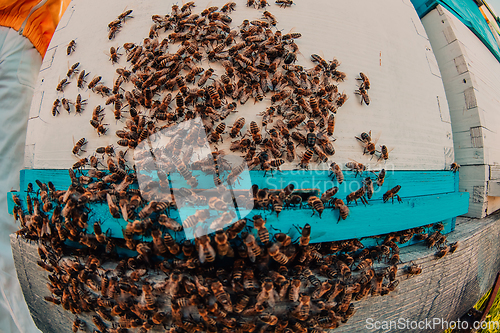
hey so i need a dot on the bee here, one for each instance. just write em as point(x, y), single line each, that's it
point(223, 220)
point(284, 3)
point(94, 82)
point(203, 79)
point(52, 300)
point(384, 153)
point(66, 104)
point(275, 163)
point(223, 247)
point(316, 205)
point(343, 209)
point(55, 106)
point(293, 35)
point(73, 70)
point(62, 84)
point(114, 99)
point(45, 266)
point(250, 3)
point(453, 247)
point(330, 125)
point(306, 158)
point(413, 269)
point(222, 296)
point(455, 166)
point(193, 220)
point(71, 47)
point(366, 141)
point(262, 232)
point(355, 166)
point(441, 253)
point(254, 250)
point(255, 131)
point(81, 163)
point(99, 323)
point(380, 177)
point(169, 223)
point(392, 193)
point(108, 150)
point(290, 151)
point(217, 133)
point(100, 237)
point(103, 90)
point(335, 171)
point(342, 98)
point(358, 194)
point(364, 95)
point(368, 185)
point(327, 196)
point(79, 103)
point(237, 126)
point(125, 15)
point(295, 121)
point(228, 7)
point(114, 24)
point(78, 146)
point(242, 144)
point(205, 251)
point(365, 81)
point(217, 204)
point(81, 79)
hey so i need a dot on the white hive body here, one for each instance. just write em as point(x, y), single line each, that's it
point(408, 111)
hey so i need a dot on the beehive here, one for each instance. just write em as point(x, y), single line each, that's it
point(414, 123)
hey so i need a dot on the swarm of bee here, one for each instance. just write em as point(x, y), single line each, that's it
point(241, 279)
point(258, 63)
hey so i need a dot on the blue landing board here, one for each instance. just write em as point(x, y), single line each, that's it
point(428, 197)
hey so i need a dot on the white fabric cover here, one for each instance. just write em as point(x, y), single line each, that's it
point(19, 66)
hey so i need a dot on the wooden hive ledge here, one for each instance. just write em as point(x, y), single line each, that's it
point(447, 288)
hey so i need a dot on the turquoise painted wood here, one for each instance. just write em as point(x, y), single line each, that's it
point(428, 197)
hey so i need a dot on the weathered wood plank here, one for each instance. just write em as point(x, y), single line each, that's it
point(447, 288)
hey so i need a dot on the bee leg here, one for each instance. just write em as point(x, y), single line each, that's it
point(399, 198)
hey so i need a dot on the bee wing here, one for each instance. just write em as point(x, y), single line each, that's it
point(251, 256)
point(109, 199)
point(45, 228)
point(201, 254)
point(295, 294)
point(262, 297)
point(376, 137)
point(273, 297)
point(210, 249)
point(123, 207)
